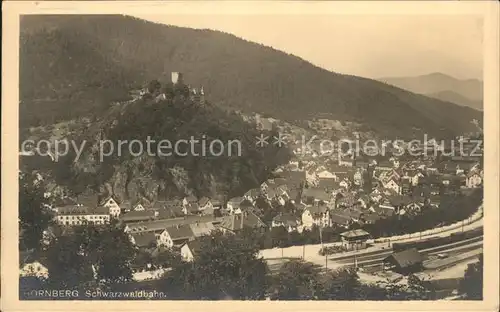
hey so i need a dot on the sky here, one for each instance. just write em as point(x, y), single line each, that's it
point(372, 46)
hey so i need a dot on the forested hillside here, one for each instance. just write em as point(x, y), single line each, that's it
point(76, 65)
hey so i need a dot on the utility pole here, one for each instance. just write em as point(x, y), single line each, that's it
point(321, 233)
point(326, 262)
point(304, 252)
point(281, 252)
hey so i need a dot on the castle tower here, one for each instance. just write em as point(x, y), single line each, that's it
point(177, 77)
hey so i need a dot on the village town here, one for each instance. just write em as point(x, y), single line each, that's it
point(312, 195)
point(284, 178)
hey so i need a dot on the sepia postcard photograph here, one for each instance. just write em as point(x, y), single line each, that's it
point(331, 155)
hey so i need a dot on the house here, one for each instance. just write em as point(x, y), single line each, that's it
point(318, 214)
point(78, 215)
point(473, 179)
point(236, 222)
point(346, 161)
point(415, 206)
point(339, 219)
point(191, 199)
point(139, 207)
point(288, 221)
point(414, 176)
point(270, 194)
point(404, 262)
point(112, 205)
point(346, 201)
point(329, 185)
point(294, 195)
point(294, 179)
point(190, 249)
point(252, 194)
point(358, 178)
point(394, 185)
point(191, 208)
point(315, 195)
point(205, 203)
point(370, 218)
point(233, 205)
point(125, 206)
point(217, 203)
point(325, 174)
point(364, 201)
point(384, 165)
point(384, 210)
point(177, 235)
point(202, 228)
point(352, 213)
point(245, 205)
point(144, 240)
point(355, 239)
point(29, 266)
point(406, 186)
point(34, 269)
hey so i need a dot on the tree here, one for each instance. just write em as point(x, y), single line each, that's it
point(167, 258)
point(114, 256)
point(280, 236)
point(67, 265)
point(225, 266)
point(472, 284)
point(341, 285)
point(34, 217)
point(154, 86)
point(89, 255)
point(296, 279)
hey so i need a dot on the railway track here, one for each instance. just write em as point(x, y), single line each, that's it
point(373, 260)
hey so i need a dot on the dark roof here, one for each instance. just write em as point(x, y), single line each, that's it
point(327, 183)
point(191, 198)
point(193, 207)
point(317, 209)
point(203, 201)
point(339, 218)
point(355, 233)
point(89, 200)
point(405, 258)
point(255, 192)
point(246, 204)
point(239, 221)
point(353, 213)
point(286, 218)
point(180, 232)
point(126, 205)
point(137, 215)
point(316, 193)
point(194, 245)
point(66, 201)
point(236, 200)
point(202, 228)
point(371, 217)
point(144, 239)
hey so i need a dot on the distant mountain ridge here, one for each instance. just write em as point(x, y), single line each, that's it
point(465, 92)
point(77, 65)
